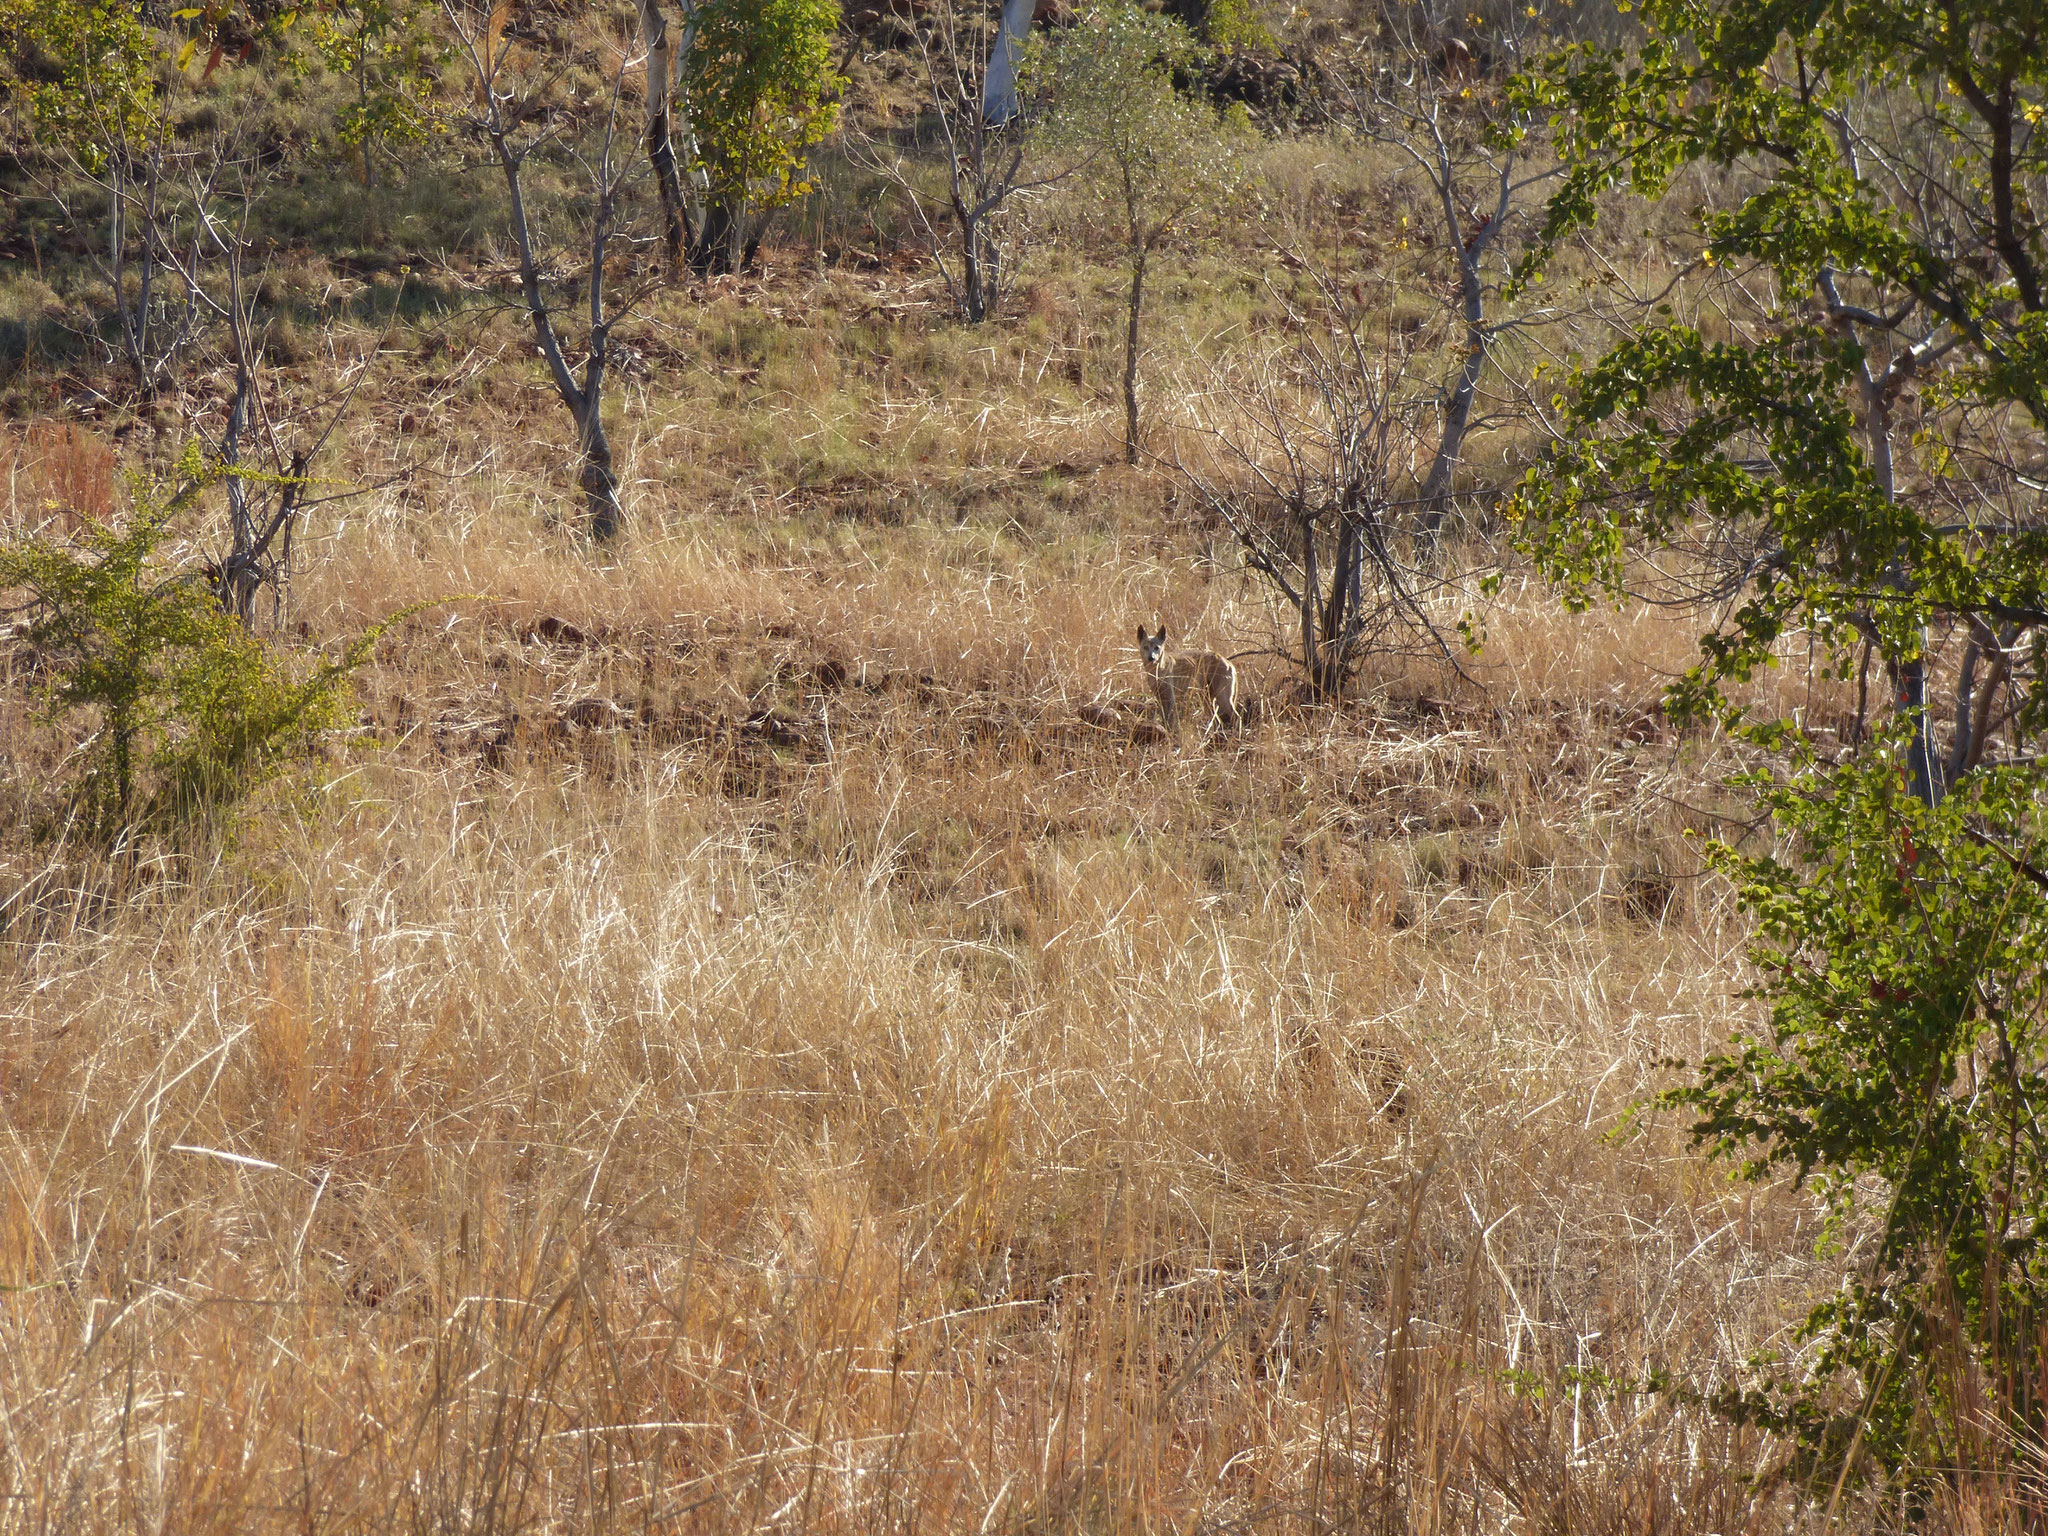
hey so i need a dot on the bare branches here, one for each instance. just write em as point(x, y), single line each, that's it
point(266, 499)
point(495, 117)
point(975, 227)
point(1300, 453)
point(1418, 98)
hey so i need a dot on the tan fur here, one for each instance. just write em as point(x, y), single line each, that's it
point(1174, 678)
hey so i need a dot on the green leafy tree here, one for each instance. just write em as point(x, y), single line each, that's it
point(762, 92)
point(185, 713)
point(1864, 441)
point(77, 75)
point(1152, 156)
point(1902, 949)
point(1233, 24)
point(1837, 414)
point(387, 48)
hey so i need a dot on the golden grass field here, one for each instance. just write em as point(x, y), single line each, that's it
point(780, 1047)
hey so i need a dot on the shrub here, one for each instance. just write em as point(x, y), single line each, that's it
point(1903, 950)
point(185, 713)
point(762, 94)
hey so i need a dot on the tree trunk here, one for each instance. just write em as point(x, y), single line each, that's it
point(999, 85)
point(721, 245)
point(600, 483)
point(1341, 610)
point(237, 591)
point(1909, 678)
point(135, 317)
point(1912, 701)
point(971, 301)
point(980, 269)
point(660, 140)
point(1436, 490)
point(1138, 256)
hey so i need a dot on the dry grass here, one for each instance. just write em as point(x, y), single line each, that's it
point(763, 1056)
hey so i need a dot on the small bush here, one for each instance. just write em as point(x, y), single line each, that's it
point(184, 712)
point(1901, 950)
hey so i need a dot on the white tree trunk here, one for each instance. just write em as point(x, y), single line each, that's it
point(659, 140)
point(999, 86)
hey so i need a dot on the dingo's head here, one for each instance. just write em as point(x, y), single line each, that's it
point(1151, 647)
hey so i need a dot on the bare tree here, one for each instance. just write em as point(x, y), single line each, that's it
point(161, 228)
point(266, 483)
point(961, 44)
point(167, 242)
point(1302, 452)
point(1424, 93)
point(498, 114)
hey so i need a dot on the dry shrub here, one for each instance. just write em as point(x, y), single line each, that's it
point(57, 470)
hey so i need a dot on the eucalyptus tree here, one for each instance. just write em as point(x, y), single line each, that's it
point(658, 135)
point(1838, 408)
point(1000, 101)
point(103, 123)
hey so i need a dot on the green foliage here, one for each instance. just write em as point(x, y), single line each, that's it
point(186, 712)
point(85, 78)
point(389, 49)
point(1152, 154)
point(1903, 950)
point(1854, 120)
point(1846, 458)
point(762, 92)
point(1828, 538)
point(77, 74)
point(1236, 24)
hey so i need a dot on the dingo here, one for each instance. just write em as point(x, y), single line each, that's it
point(1174, 677)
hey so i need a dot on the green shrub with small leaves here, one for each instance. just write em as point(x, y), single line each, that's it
point(1902, 949)
point(77, 73)
point(183, 713)
point(762, 93)
point(1835, 413)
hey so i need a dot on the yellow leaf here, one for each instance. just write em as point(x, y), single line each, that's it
point(185, 53)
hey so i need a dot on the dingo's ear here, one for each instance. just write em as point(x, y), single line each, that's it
point(1142, 636)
